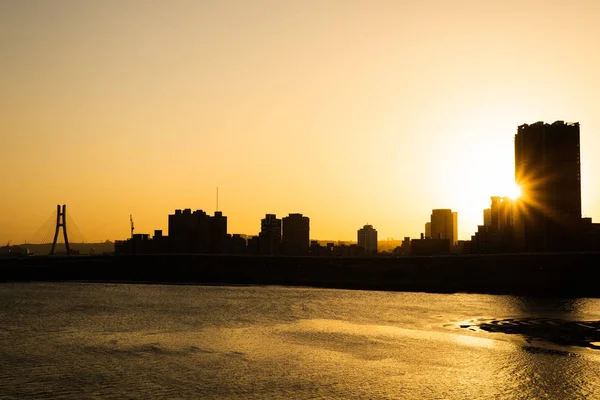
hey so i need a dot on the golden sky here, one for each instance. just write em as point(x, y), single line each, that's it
point(350, 112)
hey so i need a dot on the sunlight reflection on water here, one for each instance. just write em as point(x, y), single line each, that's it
point(76, 341)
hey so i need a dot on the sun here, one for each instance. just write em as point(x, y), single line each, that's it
point(514, 191)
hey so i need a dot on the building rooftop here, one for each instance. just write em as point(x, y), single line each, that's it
point(555, 123)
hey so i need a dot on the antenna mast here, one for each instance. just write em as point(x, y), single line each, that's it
point(217, 199)
point(131, 221)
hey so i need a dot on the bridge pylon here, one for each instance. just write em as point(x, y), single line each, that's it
point(61, 221)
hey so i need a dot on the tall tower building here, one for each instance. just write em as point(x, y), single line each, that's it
point(218, 233)
point(296, 234)
point(269, 240)
point(547, 168)
point(367, 239)
point(444, 225)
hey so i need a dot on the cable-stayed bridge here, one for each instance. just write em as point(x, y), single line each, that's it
point(58, 235)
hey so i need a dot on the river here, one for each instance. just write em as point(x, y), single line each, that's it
point(131, 341)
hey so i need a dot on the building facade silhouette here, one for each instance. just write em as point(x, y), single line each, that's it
point(428, 230)
point(218, 240)
point(498, 234)
point(198, 232)
point(188, 231)
point(269, 238)
point(444, 225)
point(296, 234)
point(367, 239)
point(547, 169)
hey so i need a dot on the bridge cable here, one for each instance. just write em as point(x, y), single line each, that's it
point(75, 229)
point(45, 231)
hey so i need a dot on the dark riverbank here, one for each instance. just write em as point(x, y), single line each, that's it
point(552, 274)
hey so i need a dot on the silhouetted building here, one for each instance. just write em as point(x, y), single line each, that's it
point(296, 231)
point(590, 235)
point(502, 213)
point(547, 169)
point(316, 249)
point(270, 235)
point(487, 217)
point(189, 232)
point(428, 229)
point(330, 249)
point(160, 243)
point(252, 245)
point(367, 239)
point(498, 234)
point(444, 225)
point(218, 238)
point(198, 232)
point(139, 243)
point(405, 247)
point(237, 244)
point(429, 247)
point(348, 250)
point(464, 247)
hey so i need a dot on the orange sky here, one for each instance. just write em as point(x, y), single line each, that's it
point(350, 112)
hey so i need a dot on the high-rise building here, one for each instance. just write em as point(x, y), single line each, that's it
point(444, 225)
point(296, 234)
point(498, 233)
point(218, 239)
point(487, 217)
point(502, 213)
point(269, 241)
point(189, 231)
point(547, 169)
point(428, 230)
point(367, 239)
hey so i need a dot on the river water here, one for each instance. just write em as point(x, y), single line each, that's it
point(131, 341)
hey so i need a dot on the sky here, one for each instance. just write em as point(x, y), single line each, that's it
point(349, 112)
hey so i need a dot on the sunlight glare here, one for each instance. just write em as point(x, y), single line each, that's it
point(514, 192)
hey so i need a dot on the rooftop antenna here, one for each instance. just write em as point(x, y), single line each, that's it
point(217, 198)
point(131, 222)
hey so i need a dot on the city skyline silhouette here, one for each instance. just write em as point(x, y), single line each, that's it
point(265, 199)
point(348, 113)
point(543, 215)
